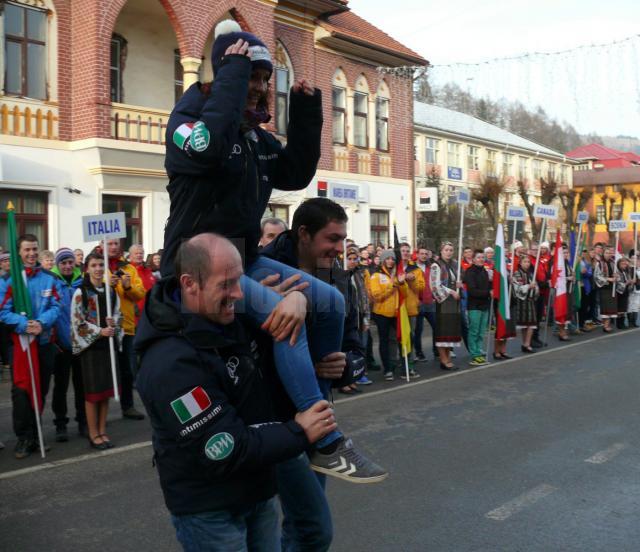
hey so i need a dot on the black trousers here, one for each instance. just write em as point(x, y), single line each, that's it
point(24, 416)
point(66, 366)
point(5, 339)
point(126, 372)
point(388, 341)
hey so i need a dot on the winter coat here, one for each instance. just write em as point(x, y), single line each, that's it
point(65, 291)
point(45, 303)
point(478, 288)
point(415, 289)
point(214, 437)
point(129, 297)
point(385, 292)
point(221, 178)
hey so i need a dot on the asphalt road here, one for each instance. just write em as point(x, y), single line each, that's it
point(538, 453)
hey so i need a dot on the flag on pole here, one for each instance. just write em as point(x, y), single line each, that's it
point(403, 326)
point(559, 283)
point(19, 294)
point(577, 272)
point(500, 282)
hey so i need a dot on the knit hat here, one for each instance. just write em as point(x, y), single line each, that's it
point(64, 253)
point(4, 257)
point(352, 250)
point(228, 32)
point(387, 254)
point(545, 244)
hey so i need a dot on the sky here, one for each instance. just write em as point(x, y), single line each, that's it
point(594, 89)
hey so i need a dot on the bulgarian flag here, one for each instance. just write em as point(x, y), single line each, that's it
point(403, 326)
point(23, 345)
point(559, 283)
point(501, 286)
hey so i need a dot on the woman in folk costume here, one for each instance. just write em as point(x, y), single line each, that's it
point(623, 288)
point(563, 326)
point(446, 291)
point(525, 294)
point(605, 275)
point(91, 329)
point(634, 293)
point(386, 286)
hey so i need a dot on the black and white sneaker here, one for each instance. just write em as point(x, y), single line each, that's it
point(348, 464)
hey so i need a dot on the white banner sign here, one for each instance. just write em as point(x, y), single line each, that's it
point(634, 217)
point(99, 227)
point(617, 225)
point(462, 197)
point(343, 193)
point(516, 213)
point(427, 199)
point(545, 211)
point(582, 218)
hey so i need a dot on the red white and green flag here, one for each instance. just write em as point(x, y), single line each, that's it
point(500, 281)
point(18, 294)
point(559, 283)
point(191, 404)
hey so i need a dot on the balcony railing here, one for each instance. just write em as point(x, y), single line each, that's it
point(28, 118)
point(138, 124)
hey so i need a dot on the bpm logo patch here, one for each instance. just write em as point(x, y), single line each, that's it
point(219, 447)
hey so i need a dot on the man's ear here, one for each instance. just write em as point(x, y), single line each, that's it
point(303, 235)
point(188, 284)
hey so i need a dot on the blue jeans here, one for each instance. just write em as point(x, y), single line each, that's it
point(253, 529)
point(307, 518)
point(295, 364)
point(428, 312)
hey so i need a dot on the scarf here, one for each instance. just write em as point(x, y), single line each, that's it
point(253, 118)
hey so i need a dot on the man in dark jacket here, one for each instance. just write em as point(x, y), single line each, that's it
point(201, 380)
point(313, 245)
point(478, 283)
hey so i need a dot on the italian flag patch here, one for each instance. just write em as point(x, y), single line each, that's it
point(182, 134)
point(190, 405)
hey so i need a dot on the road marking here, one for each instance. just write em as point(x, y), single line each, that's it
point(520, 503)
point(479, 368)
point(607, 454)
point(74, 460)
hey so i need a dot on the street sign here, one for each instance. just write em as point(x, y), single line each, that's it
point(462, 197)
point(106, 226)
point(545, 212)
point(582, 218)
point(454, 173)
point(634, 217)
point(427, 199)
point(617, 225)
point(516, 213)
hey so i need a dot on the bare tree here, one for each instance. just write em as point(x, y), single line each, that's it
point(548, 192)
point(488, 195)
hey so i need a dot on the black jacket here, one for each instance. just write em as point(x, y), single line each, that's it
point(478, 288)
point(221, 179)
point(284, 250)
point(202, 385)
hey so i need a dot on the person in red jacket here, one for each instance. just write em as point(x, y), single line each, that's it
point(543, 276)
point(136, 258)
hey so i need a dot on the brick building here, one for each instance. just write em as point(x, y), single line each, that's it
point(87, 88)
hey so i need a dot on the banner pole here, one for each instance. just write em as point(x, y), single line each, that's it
point(513, 258)
point(460, 241)
point(575, 258)
point(406, 363)
point(488, 330)
point(635, 249)
point(36, 397)
point(552, 292)
point(615, 265)
point(542, 230)
point(112, 349)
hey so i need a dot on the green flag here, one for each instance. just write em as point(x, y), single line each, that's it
point(20, 294)
point(577, 271)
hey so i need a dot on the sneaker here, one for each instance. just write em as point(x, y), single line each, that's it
point(413, 374)
point(364, 380)
point(478, 361)
point(348, 464)
point(61, 434)
point(453, 354)
point(388, 376)
point(34, 446)
point(420, 357)
point(132, 414)
point(21, 449)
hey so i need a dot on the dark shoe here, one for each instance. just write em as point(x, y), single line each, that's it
point(449, 367)
point(563, 338)
point(347, 463)
point(388, 376)
point(420, 357)
point(347, 391)
point(97, 446)
point(536, 343)
point(373, 367)
point(21, 449)
point(132, 414)
point(505, 356)
point(497, 357)
point(105, 440)
point(34, 446)
point(527, 349)
point(61, 434)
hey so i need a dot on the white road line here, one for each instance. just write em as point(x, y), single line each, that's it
point(607, 454)
point(539, 353)
point(520, 503)
point(74, 460)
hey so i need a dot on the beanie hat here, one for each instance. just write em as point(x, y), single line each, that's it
point(387, 254)
point(228, 32)
point(4, 257)
point(352, 250)
point(545, 244)
point(64, 253)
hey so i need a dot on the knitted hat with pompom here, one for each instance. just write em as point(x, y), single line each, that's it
point(228, 32)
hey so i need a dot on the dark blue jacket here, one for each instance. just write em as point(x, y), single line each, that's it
point(202, 385)
point(66, 291)
point(45, 303)
point(221, 178)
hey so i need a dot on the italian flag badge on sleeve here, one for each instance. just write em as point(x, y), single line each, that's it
point(182, 134)
point(191, 404)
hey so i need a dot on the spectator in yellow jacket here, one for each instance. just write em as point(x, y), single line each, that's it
point(416, 284)
point(128, 285)
point(386, 288)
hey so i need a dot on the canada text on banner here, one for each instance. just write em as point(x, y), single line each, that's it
point(545, 211)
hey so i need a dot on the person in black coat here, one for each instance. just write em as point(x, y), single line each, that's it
point(215, 437)
point(478, 283)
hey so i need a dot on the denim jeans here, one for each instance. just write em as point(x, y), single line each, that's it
point(254, 529)
point(307, 518)
point(295, 364)
point(478, 320)
point(388, 341)
point(428, 312)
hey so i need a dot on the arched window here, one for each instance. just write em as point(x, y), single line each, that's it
point(339, 108)
point(284, 79)
point(382, 117)
point(25, 42)
point(361, 113)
